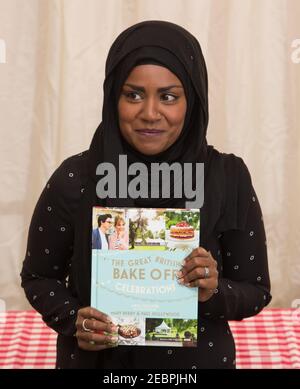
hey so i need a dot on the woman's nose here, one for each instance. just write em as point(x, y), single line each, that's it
point(150, 110)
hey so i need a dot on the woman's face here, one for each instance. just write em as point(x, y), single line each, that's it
point(120, 226)
point(152, 108)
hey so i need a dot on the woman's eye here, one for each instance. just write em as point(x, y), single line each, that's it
point(171, 97)
point(131, 95)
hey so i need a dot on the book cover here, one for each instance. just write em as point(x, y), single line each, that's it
point(136, 254)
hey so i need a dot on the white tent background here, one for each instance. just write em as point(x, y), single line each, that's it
point(163, 328)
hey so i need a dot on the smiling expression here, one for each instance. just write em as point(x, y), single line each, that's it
point(151, 108)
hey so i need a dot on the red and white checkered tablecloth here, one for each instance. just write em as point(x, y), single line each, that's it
point(268, 340)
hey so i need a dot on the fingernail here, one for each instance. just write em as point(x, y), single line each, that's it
point(109, 319)
point(183, 262)
point(179, 274)
point(113, 344)
point(114, 339)
point(180, 281)
point(114, 329)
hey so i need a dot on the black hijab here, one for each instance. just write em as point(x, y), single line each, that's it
point(153, 42)
point(182, 150)
point(168, 45)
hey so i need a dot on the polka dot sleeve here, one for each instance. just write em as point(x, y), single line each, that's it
point(49, 248)
point(244, 284)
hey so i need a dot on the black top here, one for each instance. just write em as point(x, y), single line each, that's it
point(47, 279)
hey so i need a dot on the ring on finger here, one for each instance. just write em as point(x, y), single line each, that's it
point(92, 342)
point(206, 272)
point(84, 327)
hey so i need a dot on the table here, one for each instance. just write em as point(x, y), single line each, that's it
point(268, 340)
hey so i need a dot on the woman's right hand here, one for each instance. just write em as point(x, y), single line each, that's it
point(100, 332)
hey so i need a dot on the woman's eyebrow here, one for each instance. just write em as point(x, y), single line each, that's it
point(163, 89)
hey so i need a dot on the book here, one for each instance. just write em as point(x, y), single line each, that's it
point(136, 254)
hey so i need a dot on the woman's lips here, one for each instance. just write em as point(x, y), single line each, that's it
point(149, 132)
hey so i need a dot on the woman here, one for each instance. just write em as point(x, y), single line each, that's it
point(119, 239)
point(155, 109)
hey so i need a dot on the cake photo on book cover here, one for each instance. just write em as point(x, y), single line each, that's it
point(182, 230)
point(136, 255)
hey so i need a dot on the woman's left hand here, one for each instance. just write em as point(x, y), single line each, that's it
point(199, 270)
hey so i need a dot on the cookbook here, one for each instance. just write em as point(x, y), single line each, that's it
point(136, 254)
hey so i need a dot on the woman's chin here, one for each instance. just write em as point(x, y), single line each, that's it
point(149, 150)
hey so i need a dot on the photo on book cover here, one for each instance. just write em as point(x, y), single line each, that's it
point(145, 229)
point(136, 254)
